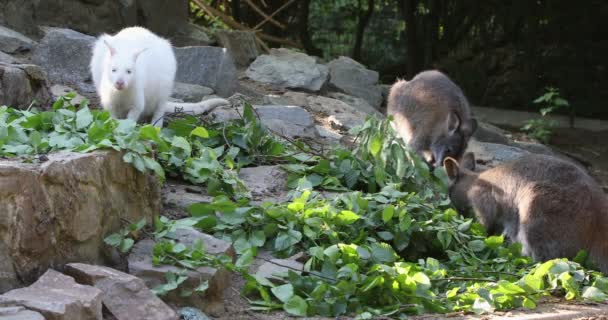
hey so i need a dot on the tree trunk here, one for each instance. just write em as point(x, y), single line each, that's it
point(236, 10)
point(408, 11)
point(304, 35)
point(364, 18)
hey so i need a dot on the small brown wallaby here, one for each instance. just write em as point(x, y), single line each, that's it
point(432, 116)
point(550, 206)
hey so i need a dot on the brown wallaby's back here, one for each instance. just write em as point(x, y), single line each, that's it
point(432, 115)
point(552, 207)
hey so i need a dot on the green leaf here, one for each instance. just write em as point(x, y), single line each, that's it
point(200, 132)
point(595, 294)
point(296, 306)
point(126, 245)
point(202, 287)
point(283, 292)
point(83, 118)
point(375, 145)
point(494, 242)
point(347, 217)
point(113, 240)
point(387, 213)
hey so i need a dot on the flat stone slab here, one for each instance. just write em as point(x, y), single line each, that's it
point(19, 313)
point(58, 297)
point(140, 265)
point(125, 296)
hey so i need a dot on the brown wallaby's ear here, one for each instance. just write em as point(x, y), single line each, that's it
point(468, 161)
point(451, 168)
point(453, 122)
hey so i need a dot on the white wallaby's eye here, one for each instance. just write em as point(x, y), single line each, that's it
point(114, 70)
point(129, 71)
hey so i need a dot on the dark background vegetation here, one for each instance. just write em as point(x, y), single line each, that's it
point(502, 53)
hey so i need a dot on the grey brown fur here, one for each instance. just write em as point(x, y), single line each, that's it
point(552, 207)
point(432, 115)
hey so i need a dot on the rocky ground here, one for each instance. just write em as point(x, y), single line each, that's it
point(46, 226)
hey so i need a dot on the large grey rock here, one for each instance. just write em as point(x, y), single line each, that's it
point(488, 133)
point(96, 16)
point(190, 92)
point(357, 103)
point(22, 84)
point(140, 265)
point(287, 120)
point(59, 90)
point(288, 69)
point(489, 155)
point(12, 41)
point(125, 296)
point(60, 210)
point(58, 297)
point(332, 113)
point(211, 67)
point(188, 313)
point(266, 183)
point(241, 44)
point(351, 77)
point(19, 313)
point(65, 55)
point(190, 35)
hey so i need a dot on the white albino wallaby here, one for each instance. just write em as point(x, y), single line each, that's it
point(134, 73)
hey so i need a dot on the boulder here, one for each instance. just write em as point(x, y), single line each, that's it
point(191, 35)
point(288, 69)
point(488, 133)
point(211, 67)
point(190, 92)
point(58, 297)
point(65, 55)
point(357, 103)
point(188, 313)
point(124, 295)
point(60, 210)
point(22, 84)
point(241, 44)
point(266, 183)
point(19, 313)
point(288, 120)
point(489, 155)
point(96, 16)
point(351, 77)
point(332, 113)
point(61, 90)
point(12, 41)
point(140, 265)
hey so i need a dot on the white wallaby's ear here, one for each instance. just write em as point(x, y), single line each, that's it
point(138, 52)
point(112, 50)
point(468, 161)
point(451, 168)
point(453, 122)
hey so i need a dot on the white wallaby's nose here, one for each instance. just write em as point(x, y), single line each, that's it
point(120, 84)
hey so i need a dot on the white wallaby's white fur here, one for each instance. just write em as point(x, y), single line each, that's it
point(134, 73)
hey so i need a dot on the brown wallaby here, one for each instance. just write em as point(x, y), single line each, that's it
point(432, 116)
point(550, 206)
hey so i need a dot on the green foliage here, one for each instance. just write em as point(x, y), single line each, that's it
point(125, 238)
point(388, 244)
point(541, 128)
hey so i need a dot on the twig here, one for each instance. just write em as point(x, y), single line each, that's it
point(264, 15)
point(288, 3)
point(228, 20)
